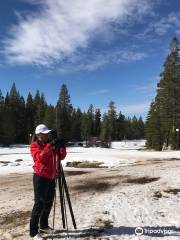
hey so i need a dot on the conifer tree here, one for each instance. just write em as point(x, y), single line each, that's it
point(112, 116)
point(97, 123)
point(153, 128)
point(90, 121)
point(64, 113)
point(30, 115)
point(106, 131)
point(76, 124)
point(50, 117)
point(84, 126)
point(121, 133)
point(16, 106)
point(1, 115)
point(167, 101)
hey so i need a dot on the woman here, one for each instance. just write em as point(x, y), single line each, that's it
point(46, 170)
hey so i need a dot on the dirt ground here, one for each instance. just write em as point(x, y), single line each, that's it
point(90, 189)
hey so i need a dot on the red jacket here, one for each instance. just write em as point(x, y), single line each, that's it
point(44, 157)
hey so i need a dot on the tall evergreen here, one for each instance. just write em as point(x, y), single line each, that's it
point(112, 115)
point(84, 126)
point(40, 107)
point(50, 117)
point(106, 131)
point(30, 115)
point(63, 113)
point(76, 124)
point(1, 115)
point(16, 106)
point(90, 121)
point(153, 128)
point(97, 123)
point(121, 127)
point(167, 101)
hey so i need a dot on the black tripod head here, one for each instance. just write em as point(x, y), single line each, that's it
point(52, 135)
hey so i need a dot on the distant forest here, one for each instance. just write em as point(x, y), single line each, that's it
point(19, 117)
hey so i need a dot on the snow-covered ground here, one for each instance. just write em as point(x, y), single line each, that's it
point(138, 189)
point(17, 159)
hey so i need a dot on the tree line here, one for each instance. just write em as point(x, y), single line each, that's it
point(19, 117)
point(163, 120)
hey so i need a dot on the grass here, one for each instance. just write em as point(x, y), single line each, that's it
point(142, 180)
point(84, 164)
point(14, 219)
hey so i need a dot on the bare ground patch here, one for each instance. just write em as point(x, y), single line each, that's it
point(75, 173)
point(14, 219)
point(84, 164)
point(159, 194)
point(174, 191)
point(104, 224)
point(93, 186)
point(142, 180)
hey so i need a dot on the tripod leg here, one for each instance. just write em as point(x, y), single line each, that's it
point(54, 210)
point(68, 198)
point(61, 194)
point(65, 213)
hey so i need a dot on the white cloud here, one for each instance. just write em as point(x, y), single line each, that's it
point(149, 87)
point(99, 92)
point(96, 60)
point(138, 108)
point(163, 25)
point(62, 28)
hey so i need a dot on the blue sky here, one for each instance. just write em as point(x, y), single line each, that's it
point(103, 50)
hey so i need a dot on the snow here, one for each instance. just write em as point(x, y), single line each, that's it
point(126, 205)
point(17, 159)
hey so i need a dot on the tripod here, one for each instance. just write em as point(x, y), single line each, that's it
point(63, 194)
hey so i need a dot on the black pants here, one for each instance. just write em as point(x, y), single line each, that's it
point(44, 190)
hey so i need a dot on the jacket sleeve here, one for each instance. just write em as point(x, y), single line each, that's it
point(62, 149)
point(39, 154)
point(62, 153)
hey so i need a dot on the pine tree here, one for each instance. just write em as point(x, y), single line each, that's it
point(1, 115)
point(84, 127)
point(64, 112)
point(16, 108)
point(97, 123)
point(50, 118)
point(112, 115)
point(106, 131)
point(40, 106)
point(153, 128)
point(90, 121)
point(141, 128)
point(76, 125)
point(167, 101)
point(37, 100)
point(121, 133)
point(30, 115)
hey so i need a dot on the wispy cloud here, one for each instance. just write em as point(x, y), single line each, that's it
point(172, 21)
point(96, 60)
point(148, 87)
point(160, 26)
point(61, 28)
point(137, 108)
point(99, 92)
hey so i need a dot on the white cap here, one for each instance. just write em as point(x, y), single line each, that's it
point(42, 129)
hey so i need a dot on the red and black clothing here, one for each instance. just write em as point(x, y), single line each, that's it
point(44, 156)
point(45, 171)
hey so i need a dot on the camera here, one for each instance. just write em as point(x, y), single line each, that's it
point(52, 135)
